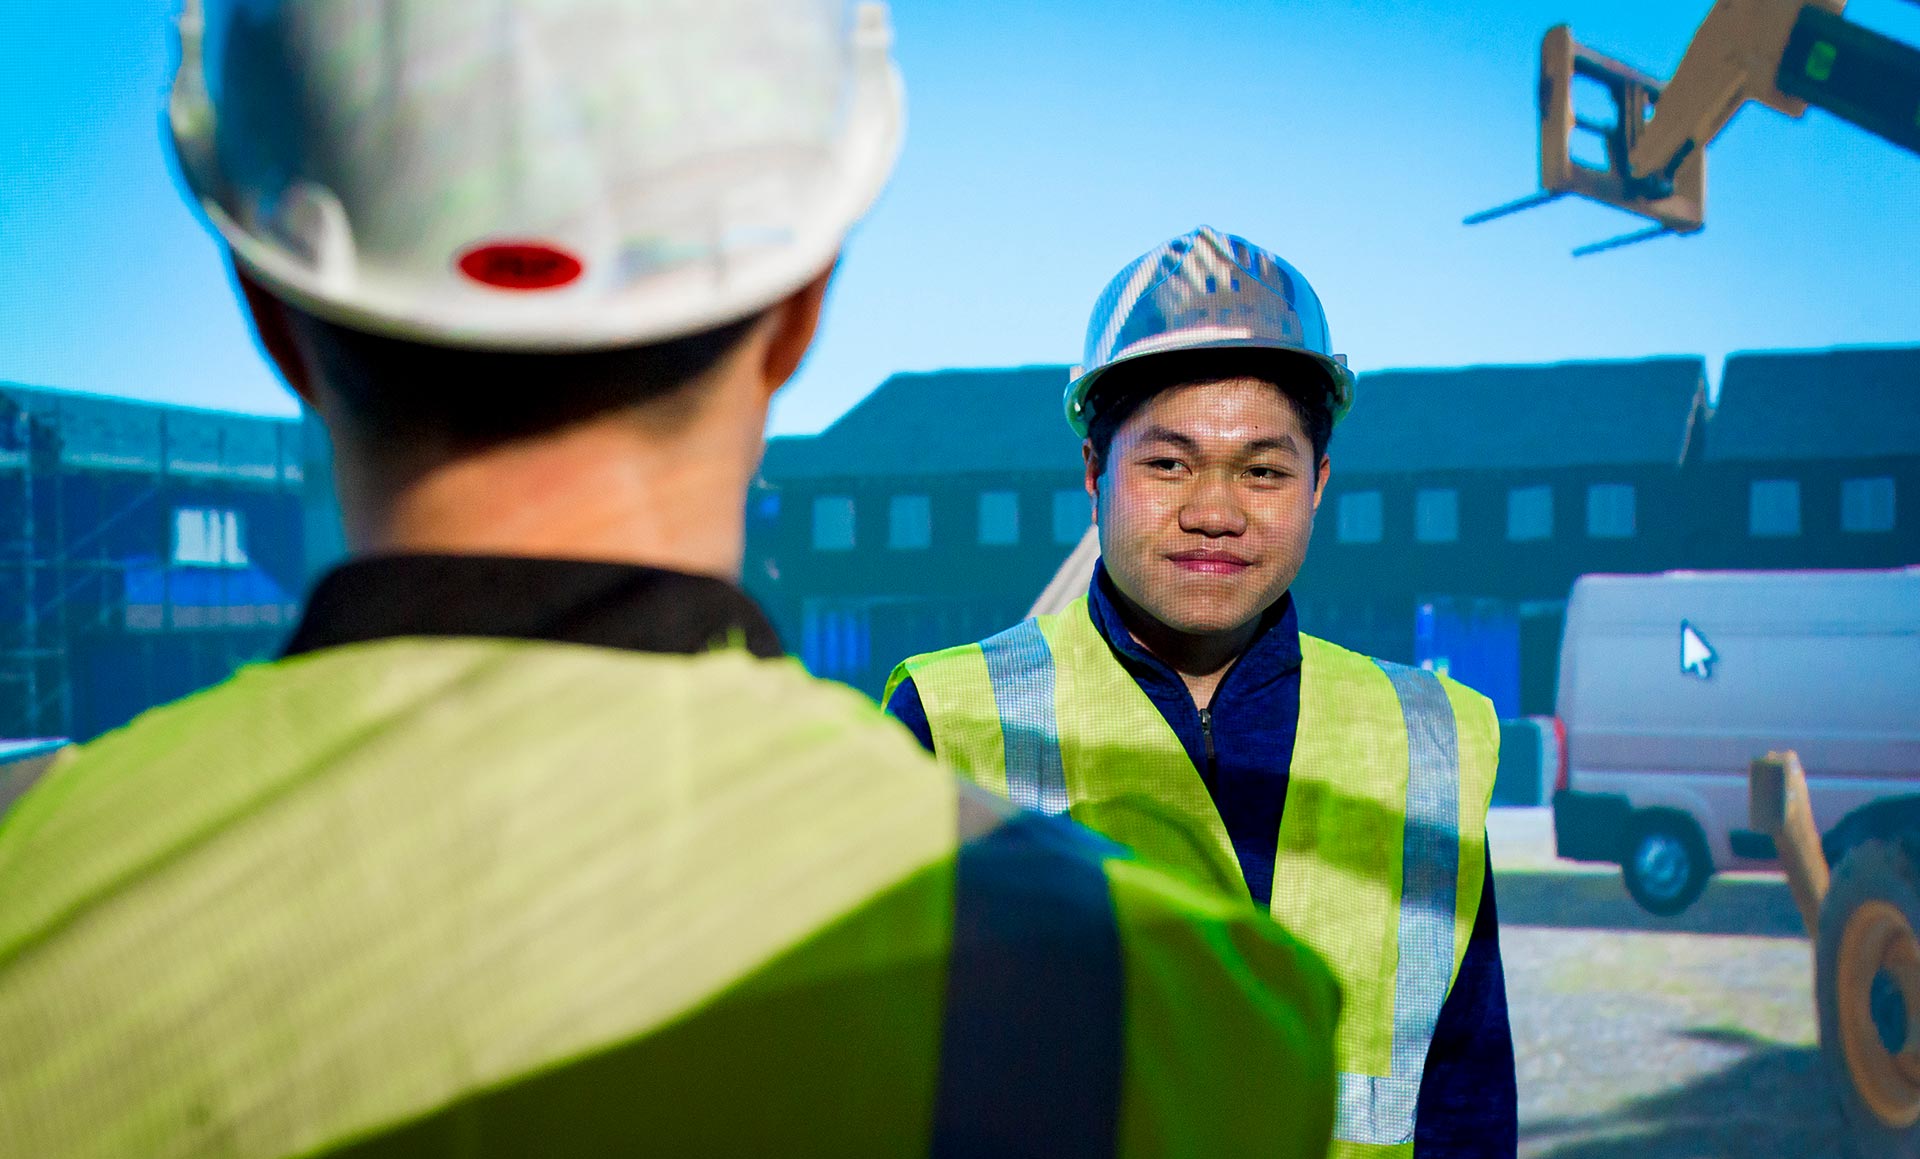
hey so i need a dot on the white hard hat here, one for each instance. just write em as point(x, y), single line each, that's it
point(1205, 290)
point(535, 174)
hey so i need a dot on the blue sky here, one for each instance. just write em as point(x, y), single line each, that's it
point(1049, 142)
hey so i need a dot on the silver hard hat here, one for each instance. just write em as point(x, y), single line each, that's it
point(1205, 290)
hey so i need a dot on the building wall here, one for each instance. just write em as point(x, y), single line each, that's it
point(1485, 607)
point(145, 552)
point(1723, 497)
point(1376, 597)
point(852, 613)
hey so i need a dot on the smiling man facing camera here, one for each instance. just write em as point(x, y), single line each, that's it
point(1179, 709)
point(532, 843)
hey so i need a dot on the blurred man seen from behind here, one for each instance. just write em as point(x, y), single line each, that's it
point(532, 842)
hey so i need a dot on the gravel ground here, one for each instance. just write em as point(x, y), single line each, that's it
point(1651, 1038)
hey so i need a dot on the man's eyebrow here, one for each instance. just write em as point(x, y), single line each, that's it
point(1277, 443)
point(1160, 434)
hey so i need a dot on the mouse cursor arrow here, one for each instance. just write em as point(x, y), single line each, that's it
point(1696, 655)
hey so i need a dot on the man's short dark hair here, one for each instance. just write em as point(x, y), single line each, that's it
point(1124, 389)
point(468, 398)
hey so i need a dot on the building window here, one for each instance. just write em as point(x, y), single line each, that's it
point(909, 523)
point(1867, 504)
point(1529, 513)
point(1610, 511)
point(1072, 515)
point(207, 537)
point(1360, 517)
point(1436, 515)
point(1773, 508)
point(833, 523)
point(999, 518)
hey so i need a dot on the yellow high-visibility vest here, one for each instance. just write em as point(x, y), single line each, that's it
point(484, 897)
point(1382, 842)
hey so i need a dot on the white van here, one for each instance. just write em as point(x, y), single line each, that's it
point(1671, 684)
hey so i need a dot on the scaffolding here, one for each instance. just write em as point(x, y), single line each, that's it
point(69, 590)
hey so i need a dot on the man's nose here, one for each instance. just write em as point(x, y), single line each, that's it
point(1212, 508)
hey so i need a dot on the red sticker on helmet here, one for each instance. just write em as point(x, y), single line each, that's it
point(520, 266)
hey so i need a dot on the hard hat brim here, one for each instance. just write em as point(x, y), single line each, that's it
point(1080, 390)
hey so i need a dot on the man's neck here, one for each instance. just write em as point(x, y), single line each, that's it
point(1200, 659)
point(604, 490)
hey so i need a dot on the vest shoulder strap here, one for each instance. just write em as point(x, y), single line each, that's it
point(1348, 674)
point(992, 704)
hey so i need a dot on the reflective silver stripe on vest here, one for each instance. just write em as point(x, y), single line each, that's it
point(1020, 666)
point(1380, 1111)
point(23, 772)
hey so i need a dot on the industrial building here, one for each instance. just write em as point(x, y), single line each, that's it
point(1813, 460)
point(931, 513)
point(1463, 504)
point(149, 550)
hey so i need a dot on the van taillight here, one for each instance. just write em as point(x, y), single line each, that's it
point(1561, 780)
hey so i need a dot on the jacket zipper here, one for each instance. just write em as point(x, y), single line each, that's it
point(1206, 734)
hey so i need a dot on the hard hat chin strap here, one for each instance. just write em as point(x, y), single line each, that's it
point(310, 221)
point(877, 85)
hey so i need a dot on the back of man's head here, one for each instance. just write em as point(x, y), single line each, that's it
point(485, 219)
point(409, 395)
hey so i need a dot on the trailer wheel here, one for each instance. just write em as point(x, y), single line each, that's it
point(1666, 863)
point(1867, 989)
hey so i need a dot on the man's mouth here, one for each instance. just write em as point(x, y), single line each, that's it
point(1211, 562)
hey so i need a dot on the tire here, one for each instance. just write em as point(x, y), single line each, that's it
point(1887, 819)
point(1868, 1001)
point(1665, 862)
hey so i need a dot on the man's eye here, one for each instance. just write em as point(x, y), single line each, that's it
point(1267, 473)
point(1164, 464)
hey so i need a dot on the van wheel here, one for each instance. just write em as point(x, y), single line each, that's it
point(1867, 990)
point(1666, 863)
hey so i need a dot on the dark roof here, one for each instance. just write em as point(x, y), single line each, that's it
point(940, 423)
point(1567, 414)
point(105, 432)
point(1818, 404)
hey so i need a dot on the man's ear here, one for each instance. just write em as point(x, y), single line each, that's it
point(1320, 480)
point(794, 321)
point(276, 334)
point(1094, 467)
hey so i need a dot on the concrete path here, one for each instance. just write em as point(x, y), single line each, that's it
point(1640, 1037)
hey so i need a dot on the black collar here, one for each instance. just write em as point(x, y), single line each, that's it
point(609, 605)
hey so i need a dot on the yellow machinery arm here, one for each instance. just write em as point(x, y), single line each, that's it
point(1785, 54)
point(1778, 805)
point(1734, 57)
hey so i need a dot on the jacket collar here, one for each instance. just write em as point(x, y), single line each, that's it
point(610, 605)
